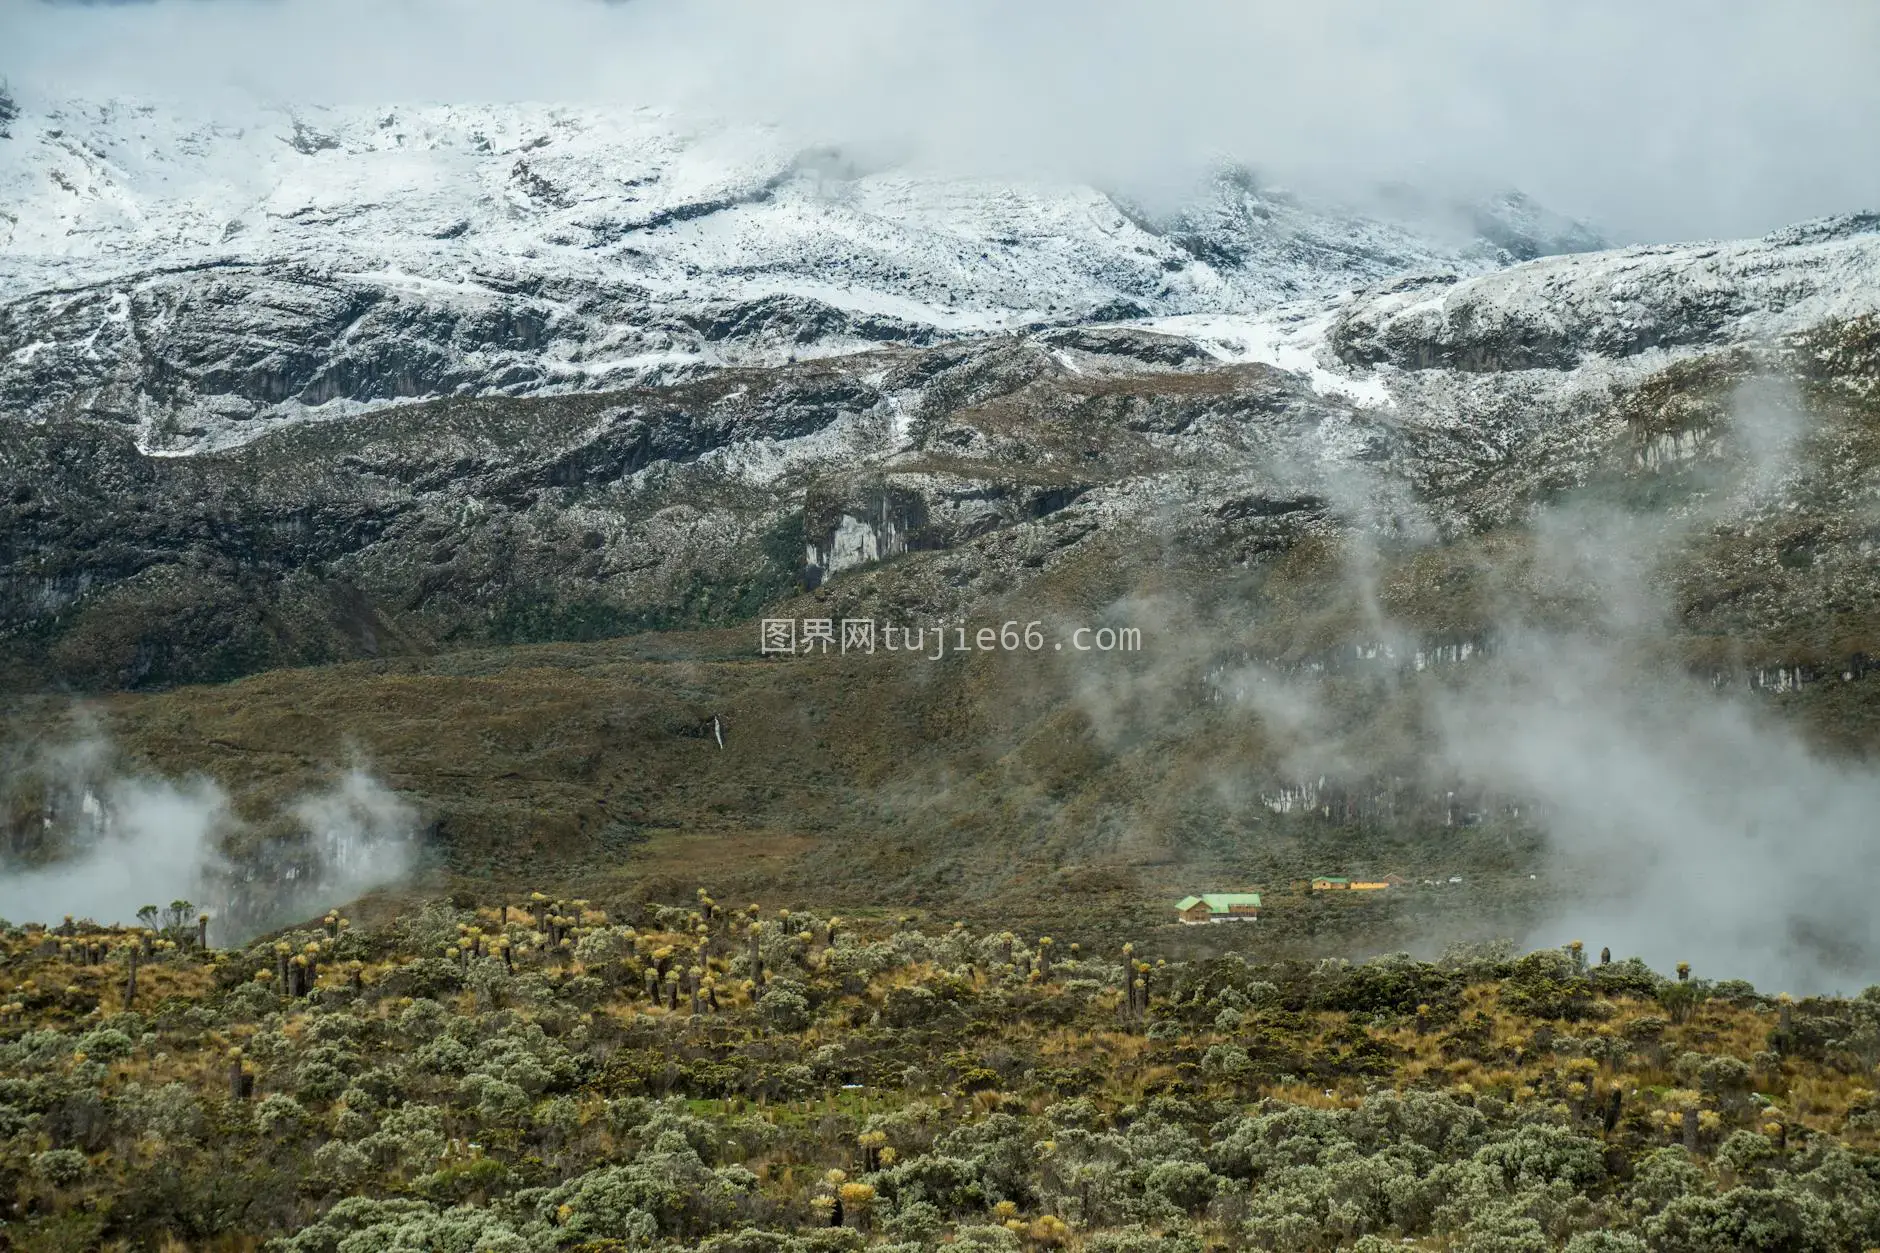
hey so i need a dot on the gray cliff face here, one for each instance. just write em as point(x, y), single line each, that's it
point(372, 420)
point(215, 355)
point(493, 519)
point(205, 280)
point(937, 481)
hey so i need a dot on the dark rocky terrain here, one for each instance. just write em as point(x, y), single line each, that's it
point(973, 470)
point(279, 514)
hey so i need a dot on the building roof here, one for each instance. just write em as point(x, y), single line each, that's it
point(1219, 902)
point(1330, 878)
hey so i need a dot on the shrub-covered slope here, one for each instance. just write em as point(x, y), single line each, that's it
point(551, 1075)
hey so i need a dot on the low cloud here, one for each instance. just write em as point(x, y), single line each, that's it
point(1684, 818)
point(105, 840)
point(139, 842)
point(1672, 120)
point(1694, 826)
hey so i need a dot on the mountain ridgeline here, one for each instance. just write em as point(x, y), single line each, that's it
point(480, 441)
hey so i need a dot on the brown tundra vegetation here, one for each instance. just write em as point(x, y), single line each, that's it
point(551, 1074)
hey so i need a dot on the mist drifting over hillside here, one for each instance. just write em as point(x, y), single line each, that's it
point(475, 324)
point(1718, 833)
point(1672, 121)
point(713, 598)
point(106, 839)
point(1683, 818)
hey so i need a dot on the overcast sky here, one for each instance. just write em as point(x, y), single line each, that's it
point(1660, 120)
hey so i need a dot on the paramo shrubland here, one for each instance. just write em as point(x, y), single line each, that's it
point(555, 1074)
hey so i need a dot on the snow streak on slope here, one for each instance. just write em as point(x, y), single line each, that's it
point(1291, 339)
point(206, 277)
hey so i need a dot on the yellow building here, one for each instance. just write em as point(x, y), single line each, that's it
point(1338, 883)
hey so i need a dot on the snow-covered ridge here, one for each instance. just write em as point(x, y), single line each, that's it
point(93, 189)
point(205, 276)
point(1559, 312)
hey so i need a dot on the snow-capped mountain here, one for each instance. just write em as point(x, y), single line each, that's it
point(202, 277)
point(693, 371)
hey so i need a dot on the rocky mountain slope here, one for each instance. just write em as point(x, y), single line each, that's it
point(1325, 466)
point(198, 278)
point(1377, 502)
point(1444, 405)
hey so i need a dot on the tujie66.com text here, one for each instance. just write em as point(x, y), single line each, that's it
point(825, 636)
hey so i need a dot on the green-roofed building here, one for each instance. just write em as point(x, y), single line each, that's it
point(1219, 907)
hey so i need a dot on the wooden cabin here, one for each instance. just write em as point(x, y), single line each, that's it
point(1219, 907)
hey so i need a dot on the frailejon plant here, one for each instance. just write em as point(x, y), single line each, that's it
point(450, 1078)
